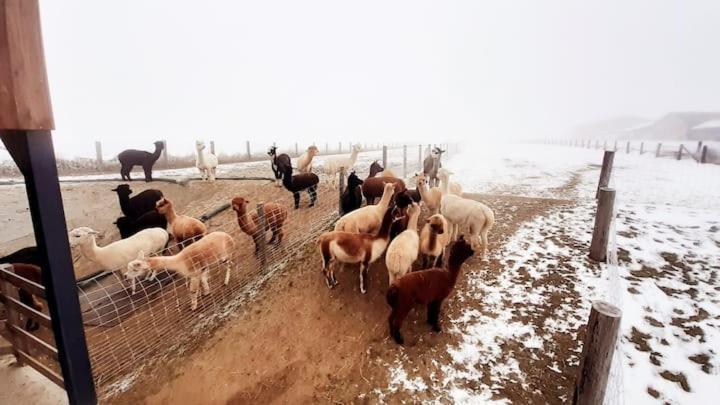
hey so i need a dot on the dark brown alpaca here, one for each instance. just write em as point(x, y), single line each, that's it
point(373, 187)
point(428, 287)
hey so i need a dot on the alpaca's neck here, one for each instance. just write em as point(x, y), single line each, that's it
point(170, 215)
point(423, 191)
point(174, 263)
point(201, 157)
point(445, 185)
point(412, 222)
point(384, 232)
point(124, 202)
point(246, 224)
point(353, 156)
point(385, 200)
point(432, 241)
point(454, 270)
point(90, 249)
point(158, 150)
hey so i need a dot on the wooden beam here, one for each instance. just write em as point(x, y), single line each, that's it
point(24, 92)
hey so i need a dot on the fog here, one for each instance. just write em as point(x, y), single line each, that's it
point(128, 73)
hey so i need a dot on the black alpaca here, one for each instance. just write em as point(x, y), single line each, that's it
point(130, 226)
point(352, 196)
point(278, 163)
point(299, 182)
point(131, 157)
point(27, 256)
point(138, 205)
point(401, 202)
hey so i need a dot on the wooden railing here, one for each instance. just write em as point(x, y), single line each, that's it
point(36, 349)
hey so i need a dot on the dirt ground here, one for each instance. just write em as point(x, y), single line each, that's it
point(299, 342)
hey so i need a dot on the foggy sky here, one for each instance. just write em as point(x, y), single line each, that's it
point(130, 72)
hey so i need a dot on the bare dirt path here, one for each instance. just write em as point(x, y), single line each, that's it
point(299, 342)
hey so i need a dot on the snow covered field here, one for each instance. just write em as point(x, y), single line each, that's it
point(668, 245)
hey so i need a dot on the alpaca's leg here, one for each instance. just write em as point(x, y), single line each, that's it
point(484, 235)
point(363, 275)
point(313, 195)
point(296, 197)
point(194, 287)
point(205, 284)
point(148, 173)
point(435, 261)
point(230, 264)
point(212, 174)
point(397, 316)
point(133, 284)
point(326, 269)
point(433, 315)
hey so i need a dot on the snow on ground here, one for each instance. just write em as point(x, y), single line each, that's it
point(668, 241)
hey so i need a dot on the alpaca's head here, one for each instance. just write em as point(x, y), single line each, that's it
point(163, 206)
point(421, 180)
point(444, 174)
point(239, 204)
point(356, 148)
point(81, 235)
point(199, 145)
point(138, 267)
point(159, 144)
point(403, 200)
point(313, 150)
point(460, 251)
point(354, 180)
point(389, 189)
point(122, 189)
point(413, 209)
point(272, 151)
point(375, 168)
point(436, 152)
point(437, 224)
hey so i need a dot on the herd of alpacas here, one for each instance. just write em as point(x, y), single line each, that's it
point(423, 257)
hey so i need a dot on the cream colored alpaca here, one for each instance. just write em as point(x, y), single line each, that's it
point(463, 213)
point(452, 187)
point(430, 196)
point(333, 164)
point(206, 162)
point(434, 237)
point(367, 219)
point(403, 250)
point(193, 263)
point(304, 162)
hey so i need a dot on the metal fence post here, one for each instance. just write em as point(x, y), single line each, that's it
point(642, 146)
point(259, 236)
point(679, 153)
point(703, 155)
point(627, 149)
point(597, 354)
point(341, 186)
point(603, 218)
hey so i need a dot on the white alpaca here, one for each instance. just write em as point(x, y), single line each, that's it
point(333, 164)
point(462, 213)
point(404, 249)
point(445, 183)
point(206, 162)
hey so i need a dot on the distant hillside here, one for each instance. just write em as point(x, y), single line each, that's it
point(671, 126)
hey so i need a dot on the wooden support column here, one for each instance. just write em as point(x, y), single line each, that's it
point(605, 171)
point(259, 237)
point(212, 147)
point(597, 354)
point(247, 150)
point(642, 146)
point(603, 219)
point(627, 149)
point(297, 151)
point(26, 120)
point(341, 187)
point(657, 151)
point(420, 162)
point(679, 152)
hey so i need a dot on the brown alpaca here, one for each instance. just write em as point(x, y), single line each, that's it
point(275, 215)
point(428, 287)
point(183, 228)
point(34, 274)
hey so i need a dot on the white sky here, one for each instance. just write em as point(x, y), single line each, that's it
point(130, 72)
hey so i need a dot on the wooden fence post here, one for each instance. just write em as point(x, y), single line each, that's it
point(703, 155)
point(212, 147)
point(605, 145)
point(597, 144)
point(642, 146)
point(606, 171)
point(699, 147)
point(597, 354)
point(615, 147)
point(259, 236)
point(679, 153)
point(341, 186)
point(327, 149)
point(98, 155)
point(627, 149)
point(247, 150)
point(603, 218)
point(297, 151)
point(404, 161)
point(166, 159)
point(339, 147)
point(385, 156)
point(657, 151)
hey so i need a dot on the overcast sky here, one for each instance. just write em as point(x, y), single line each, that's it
point(130, 72)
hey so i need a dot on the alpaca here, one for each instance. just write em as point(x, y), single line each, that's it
point(184, 229)
point(400, 216)
point(373, 186)
point(299, 182)
point(347, 247)
point(27, 255)
point(118, 254)
point(434, 237)
point(462, 213)
point(304, 162)
point(427, 287)
point(333, 164)
point(446, 184)
point(432, 164)
point(139, 204)
point(193, 263)
point(351, 198)
point(131, 157)
point(386, 173)
point(130, 226)
point(274, 213)
point(367, 219)
point(403, 250)
point(430, 196)
point(206, 162)
point(278, 164)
